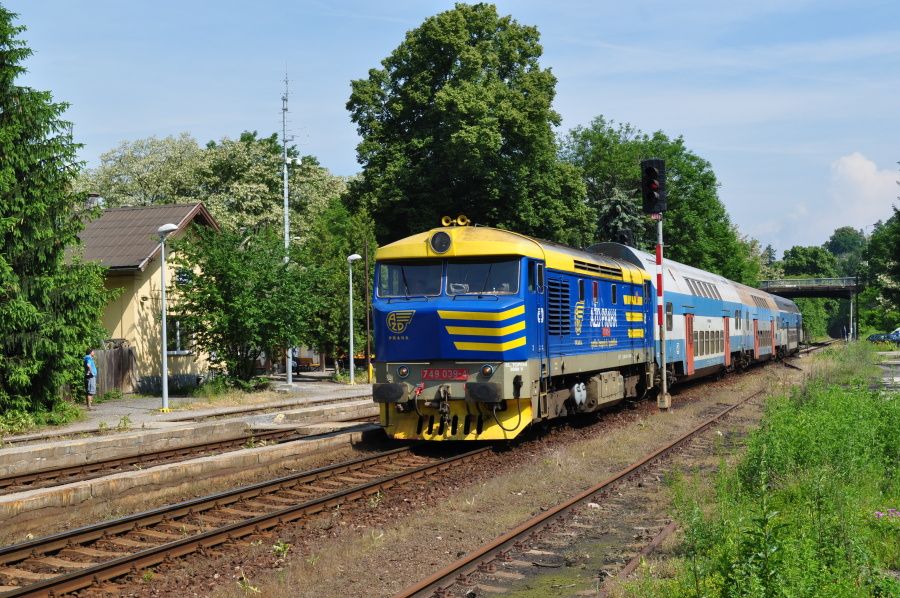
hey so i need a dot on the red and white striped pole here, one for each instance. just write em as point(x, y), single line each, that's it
point(663, 400)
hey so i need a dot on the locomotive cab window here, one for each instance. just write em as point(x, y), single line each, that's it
point(498, 277)
point(409, 279)
point(614, 297)
point(535, 277)
point(581, 289)
point(595, 291)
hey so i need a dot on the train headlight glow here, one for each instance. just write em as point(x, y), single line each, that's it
point(440, 242)
point(487, 370)
point(403, 371)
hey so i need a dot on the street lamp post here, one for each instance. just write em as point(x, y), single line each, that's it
point(164, 231)
point(350, 260)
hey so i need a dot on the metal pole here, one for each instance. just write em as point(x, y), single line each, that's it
point(288, 365)
point(663, 401)
point(350, 266)
point(165, 355)
point(368, 324)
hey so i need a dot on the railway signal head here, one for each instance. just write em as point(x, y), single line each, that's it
point(653, 185)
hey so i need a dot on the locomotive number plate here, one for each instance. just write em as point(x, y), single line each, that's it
point(445, 374)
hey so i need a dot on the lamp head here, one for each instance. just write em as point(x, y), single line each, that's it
point(353, 258)
point(166, 229)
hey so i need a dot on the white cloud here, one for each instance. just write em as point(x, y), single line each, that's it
point(857, 193)
point(861, 193)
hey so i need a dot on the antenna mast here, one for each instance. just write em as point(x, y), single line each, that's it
point(288, 360)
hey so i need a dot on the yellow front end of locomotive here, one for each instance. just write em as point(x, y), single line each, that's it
point(464, 421)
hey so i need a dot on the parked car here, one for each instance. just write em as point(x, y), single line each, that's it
point(893, 337)
point(878, 337)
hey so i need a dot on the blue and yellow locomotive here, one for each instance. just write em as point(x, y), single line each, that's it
point(481, 332)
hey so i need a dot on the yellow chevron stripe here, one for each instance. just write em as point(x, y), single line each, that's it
point(481, 315)
point(518, 342)
point(477, 331)
point(636, 333)
point(634, 316)
point(633, 299)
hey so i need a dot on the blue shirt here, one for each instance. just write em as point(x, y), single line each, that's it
point(89, 365)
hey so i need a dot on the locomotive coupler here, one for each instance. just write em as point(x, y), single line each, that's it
point(443, 404)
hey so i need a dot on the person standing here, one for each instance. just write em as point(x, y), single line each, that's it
point(90, 376)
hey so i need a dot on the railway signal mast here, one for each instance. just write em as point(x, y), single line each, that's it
point(653, 191)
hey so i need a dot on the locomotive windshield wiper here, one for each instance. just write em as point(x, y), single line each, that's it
point(405, 283)
point(487, 277)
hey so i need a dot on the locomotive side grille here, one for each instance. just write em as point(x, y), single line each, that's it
point(558, 307)
point(598, 268)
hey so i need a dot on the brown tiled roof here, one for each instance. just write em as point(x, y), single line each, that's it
point(126, 238)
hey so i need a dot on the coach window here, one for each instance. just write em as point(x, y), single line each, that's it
point(669, 316)
point(696, 343)
point(580, 289)
point(614, 298)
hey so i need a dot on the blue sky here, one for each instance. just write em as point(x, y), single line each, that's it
point(795, 103)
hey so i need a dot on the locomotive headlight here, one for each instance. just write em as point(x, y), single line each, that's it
point(487, 370)
point(440, 242)
point(403, 371)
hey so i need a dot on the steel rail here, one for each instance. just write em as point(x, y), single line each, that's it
point(437, 584)
point(151, 556)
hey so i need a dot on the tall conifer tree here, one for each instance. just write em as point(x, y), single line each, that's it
point(50, 304)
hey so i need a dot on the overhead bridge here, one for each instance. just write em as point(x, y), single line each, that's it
point(838, 288)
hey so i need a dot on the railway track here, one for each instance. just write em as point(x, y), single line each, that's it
point(534, 545)
point(77, 559)
point(486, 570)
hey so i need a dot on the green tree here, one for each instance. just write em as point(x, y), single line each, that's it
point(820, 316)
point(243, 299)
point(620, 219)
point(809, 262)
point(459, 121)
point(698, 230)
point(847, 245)
point(335, 233)
point(879, 303)
point(50, 306)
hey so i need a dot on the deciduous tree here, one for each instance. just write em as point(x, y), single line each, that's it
point(459, 121)
point(243, 300)
point(698, 230)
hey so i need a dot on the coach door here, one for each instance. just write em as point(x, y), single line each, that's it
point(755, 339)
point(690, 347)
point(773, 326)
point(727, 342)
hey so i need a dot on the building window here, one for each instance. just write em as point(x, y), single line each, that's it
point(178, 338)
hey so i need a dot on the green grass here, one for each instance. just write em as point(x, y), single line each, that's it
point(811, 508)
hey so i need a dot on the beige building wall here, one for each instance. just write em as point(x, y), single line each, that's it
point(135, 315)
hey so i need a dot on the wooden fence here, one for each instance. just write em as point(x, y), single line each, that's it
point(116, 369)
